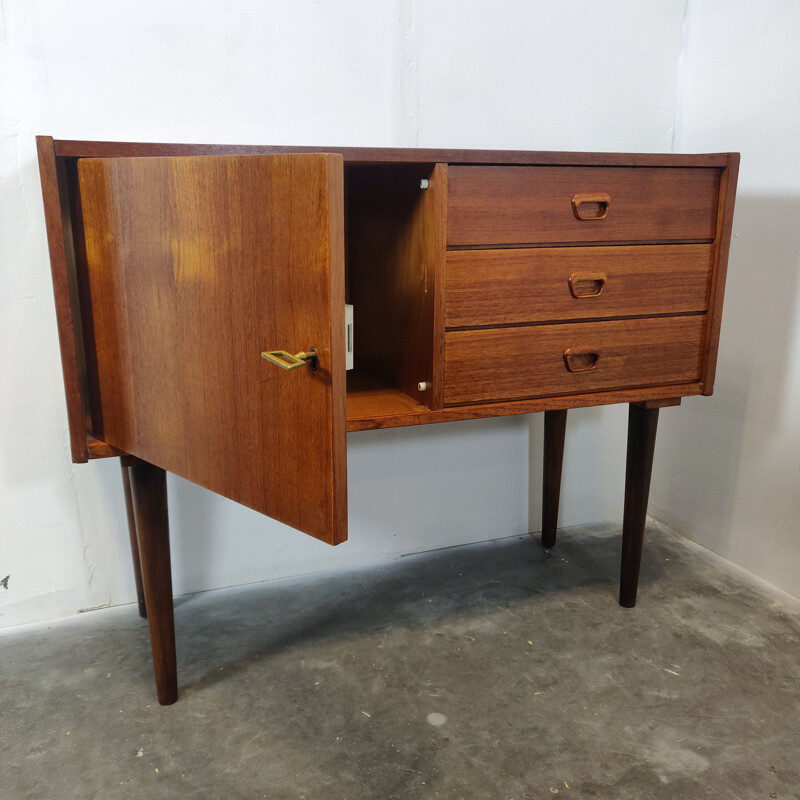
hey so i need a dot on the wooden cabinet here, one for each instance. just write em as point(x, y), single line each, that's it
point(484, 284)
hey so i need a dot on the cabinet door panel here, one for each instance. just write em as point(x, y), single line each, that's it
point(195, 266)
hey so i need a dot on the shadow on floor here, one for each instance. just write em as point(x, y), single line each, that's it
point(414, 592)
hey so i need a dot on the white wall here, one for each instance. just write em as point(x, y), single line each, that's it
point(727, 470)
point(537, 75)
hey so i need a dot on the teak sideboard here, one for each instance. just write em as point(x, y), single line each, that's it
point(200, 293)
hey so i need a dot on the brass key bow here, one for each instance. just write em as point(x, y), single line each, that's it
point(288, 361)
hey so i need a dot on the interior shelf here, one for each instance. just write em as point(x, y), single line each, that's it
point(368, 398)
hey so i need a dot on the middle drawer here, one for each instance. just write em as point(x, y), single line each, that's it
point(502, 287)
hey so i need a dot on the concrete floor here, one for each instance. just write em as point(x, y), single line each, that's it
point(490, 671)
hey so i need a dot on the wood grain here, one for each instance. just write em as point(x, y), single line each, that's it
point(195, 266)
point(369, 397)
point(518, 205)
point(517, 362)
point(495, 287)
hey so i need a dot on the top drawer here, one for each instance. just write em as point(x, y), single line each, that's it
point(538, 205)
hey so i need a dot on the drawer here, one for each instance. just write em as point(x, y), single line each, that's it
point(498, 287)
point(526, 205)
point(572, 358)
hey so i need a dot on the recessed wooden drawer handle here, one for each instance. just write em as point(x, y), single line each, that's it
point(288, 361)
point(600, 200)
point(581, 359)
point(586, 284)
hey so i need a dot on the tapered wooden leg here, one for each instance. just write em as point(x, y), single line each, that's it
point(555, 426)
point(149, 497)
point(642, 424)
point(137, 567)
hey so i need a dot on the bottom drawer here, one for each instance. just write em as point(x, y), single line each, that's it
point(536, 361)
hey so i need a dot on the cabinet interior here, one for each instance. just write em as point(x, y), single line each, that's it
point(394, 246)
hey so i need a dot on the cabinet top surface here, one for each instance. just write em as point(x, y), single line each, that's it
point(375, 155)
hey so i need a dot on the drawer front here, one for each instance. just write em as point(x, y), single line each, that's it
point(542, 360)
point(497, 287)
point(526, 205)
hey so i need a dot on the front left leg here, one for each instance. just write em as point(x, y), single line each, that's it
point(149, 496)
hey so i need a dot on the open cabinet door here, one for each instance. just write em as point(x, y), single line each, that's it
point(195, 266)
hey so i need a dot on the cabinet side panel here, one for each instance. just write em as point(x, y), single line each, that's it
point(62, 264)
point(727, 198)
point(437, 216)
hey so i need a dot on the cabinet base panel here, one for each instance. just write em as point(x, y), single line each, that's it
point(357, 420)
